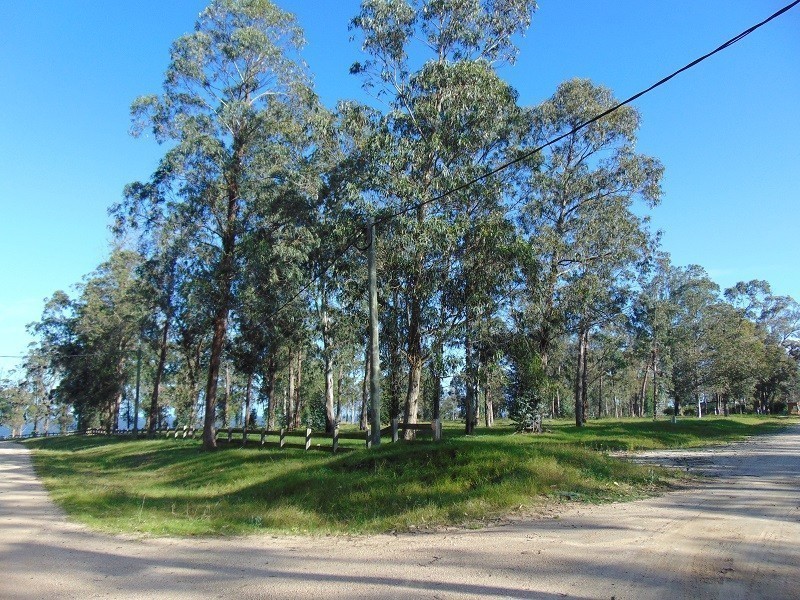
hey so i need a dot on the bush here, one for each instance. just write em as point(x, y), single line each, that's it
point(778, 407)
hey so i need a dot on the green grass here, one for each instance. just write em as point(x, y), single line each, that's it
point(171, 487)
point(645, 434)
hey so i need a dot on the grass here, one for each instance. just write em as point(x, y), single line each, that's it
point(171, 487)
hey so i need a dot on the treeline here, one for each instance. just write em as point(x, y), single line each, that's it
point(516, 272)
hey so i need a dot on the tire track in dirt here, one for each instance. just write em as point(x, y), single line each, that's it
point(732, 535)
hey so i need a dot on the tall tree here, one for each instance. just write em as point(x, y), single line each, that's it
point(582, 234)
point(236, 107)
point(693, 297)
point(15, 401)
point(434, 64)
point(92, 339)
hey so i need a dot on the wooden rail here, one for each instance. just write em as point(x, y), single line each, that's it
point(226, 435)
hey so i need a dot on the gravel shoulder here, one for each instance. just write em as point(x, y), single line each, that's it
point(732, 535)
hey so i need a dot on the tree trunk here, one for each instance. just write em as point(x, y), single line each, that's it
point(585, 373)
point(162, 360)
point(642, 392)
point(339, 385)
point(580, 380)
point(415, 359)
point(217, 341)
point(272, 370)
point(558, 404)
point(655, 386)
point(470, 400)
point(488, 406)
point(412, 397)
point(600, 397)
point(330, 415)
point(362, 421)
point(226, 398)
point(298, 404)
point(288, 413)
point(117, 406)
point(436, 374)
point(248, 395)
point(225, 289)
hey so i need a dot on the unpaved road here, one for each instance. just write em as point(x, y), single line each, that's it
point(736, 535)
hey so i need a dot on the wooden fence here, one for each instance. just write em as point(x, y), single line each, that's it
point(260, 436)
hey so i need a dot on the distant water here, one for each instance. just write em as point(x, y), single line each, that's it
point(6, 431)
point(54, 428)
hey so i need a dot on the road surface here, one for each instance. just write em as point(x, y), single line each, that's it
point(734, 535)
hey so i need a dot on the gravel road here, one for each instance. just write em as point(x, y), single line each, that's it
point(733, 535)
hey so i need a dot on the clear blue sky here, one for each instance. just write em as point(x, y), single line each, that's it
point(728, 131)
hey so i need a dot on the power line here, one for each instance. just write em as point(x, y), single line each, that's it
point(388, 217)
point(585, 124)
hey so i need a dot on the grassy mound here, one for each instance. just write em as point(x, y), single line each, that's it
point(171, 487)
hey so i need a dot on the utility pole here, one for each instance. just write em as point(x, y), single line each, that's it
point(138, 381)
point(374, 351)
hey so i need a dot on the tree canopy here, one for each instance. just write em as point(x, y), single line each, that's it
point(236, 286)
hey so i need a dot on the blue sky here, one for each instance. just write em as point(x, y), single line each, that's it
point(726, 131)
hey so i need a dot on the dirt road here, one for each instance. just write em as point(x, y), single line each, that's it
point(736, 535)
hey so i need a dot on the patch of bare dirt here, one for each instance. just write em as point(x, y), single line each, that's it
point(731, 535)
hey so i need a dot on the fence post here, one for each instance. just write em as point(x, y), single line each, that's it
point(335, 438)
point(308, 438)
point(394, 429)
point(437, 430)
point(283, 437)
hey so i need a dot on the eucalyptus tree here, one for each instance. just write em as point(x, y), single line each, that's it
point(434, 65)
point(40, 380)
point(191, 336)
point(337, 263)
point(583, 236)
point(271, 317)
point(236, 108)
point(653, 312)
point(693, 296)
point(777, 379)
point(777, 318)
point(164, 247)
point(736, 354)
point(92, 339)
point(607, 361)
point(15, 402)
point(478, 292)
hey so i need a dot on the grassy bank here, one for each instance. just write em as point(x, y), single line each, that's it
point(170, 487)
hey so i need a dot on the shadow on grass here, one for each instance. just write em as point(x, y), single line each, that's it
point(172, 487)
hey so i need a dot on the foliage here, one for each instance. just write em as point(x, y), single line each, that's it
point(530, 281)
point(91, 339)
